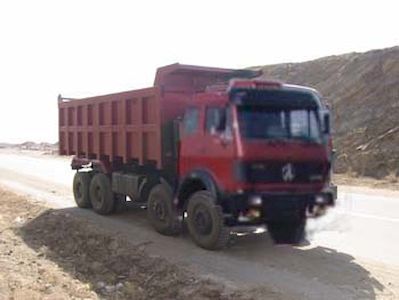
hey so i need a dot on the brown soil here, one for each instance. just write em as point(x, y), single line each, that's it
point(389, 183)
point(51, 254)
point(363, 90)
point(26, 273)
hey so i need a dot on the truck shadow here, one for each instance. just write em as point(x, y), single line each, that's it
point(251, 261)
point(320, 265)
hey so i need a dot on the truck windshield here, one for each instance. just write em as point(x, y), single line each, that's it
point(257, 122)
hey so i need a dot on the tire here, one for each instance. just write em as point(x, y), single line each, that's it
point(101, 196)
point(161, 212)
point(81, 189)
point(119, 203)
point(205, 222)
point(285, 232)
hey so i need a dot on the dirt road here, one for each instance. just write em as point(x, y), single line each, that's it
point(352, 252)
point(54, 254)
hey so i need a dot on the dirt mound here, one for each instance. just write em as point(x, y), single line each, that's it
point(24, 272)
point(113, 267)
point(38, 146)
point(42, 148)
point(363, 90)
point(52, 254)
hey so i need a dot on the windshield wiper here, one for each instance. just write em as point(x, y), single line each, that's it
point(275, 141)
point(305, 140)
point(286, 140)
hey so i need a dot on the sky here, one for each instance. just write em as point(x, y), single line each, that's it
point(79, 48)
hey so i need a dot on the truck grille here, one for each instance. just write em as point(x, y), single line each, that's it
point(281, 172)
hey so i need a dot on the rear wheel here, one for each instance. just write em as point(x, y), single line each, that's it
point(161, 212)
point(101, 196)
point(205, 222)
point(287, 232)
point(81, 189)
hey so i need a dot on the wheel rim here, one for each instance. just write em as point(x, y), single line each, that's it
point(202, 220)
point(98, 197)
point(79, 190)
point(159, 210)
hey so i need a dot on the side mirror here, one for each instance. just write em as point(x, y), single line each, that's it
point(178, 126)
point(226, 137)
point(213, 130)
point(326, 122)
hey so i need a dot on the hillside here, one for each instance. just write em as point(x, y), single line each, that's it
point(363, 90)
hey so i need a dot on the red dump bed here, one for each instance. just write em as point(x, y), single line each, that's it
point(126, 127)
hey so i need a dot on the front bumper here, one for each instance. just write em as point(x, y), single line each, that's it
point(332, 190)
point(260, 208)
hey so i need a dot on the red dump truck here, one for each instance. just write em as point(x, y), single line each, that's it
point(216, 148)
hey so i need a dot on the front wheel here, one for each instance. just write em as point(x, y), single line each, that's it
point(205, 222)
point(287, 232)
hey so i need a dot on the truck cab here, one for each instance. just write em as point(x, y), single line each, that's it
point(261, 148)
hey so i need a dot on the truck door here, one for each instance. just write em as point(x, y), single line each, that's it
point(218, 145)
point(191, 141)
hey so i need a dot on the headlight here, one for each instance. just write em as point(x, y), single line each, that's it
point(255, 201)
point(320, 199)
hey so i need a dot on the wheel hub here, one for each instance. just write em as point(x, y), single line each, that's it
point(98, 195)
point(160, 210)
point(202, 221)
point(79, 190)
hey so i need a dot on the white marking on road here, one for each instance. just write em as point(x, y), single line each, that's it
point(368, 216)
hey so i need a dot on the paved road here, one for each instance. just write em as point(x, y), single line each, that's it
point(353, 251)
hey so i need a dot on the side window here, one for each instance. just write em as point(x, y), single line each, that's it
point(191, 120)
point(215, 119)
point(229, 124)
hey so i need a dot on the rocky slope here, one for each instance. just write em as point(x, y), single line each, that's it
point(363, 90)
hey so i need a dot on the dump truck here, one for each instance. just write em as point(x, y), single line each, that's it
point(219, 150)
